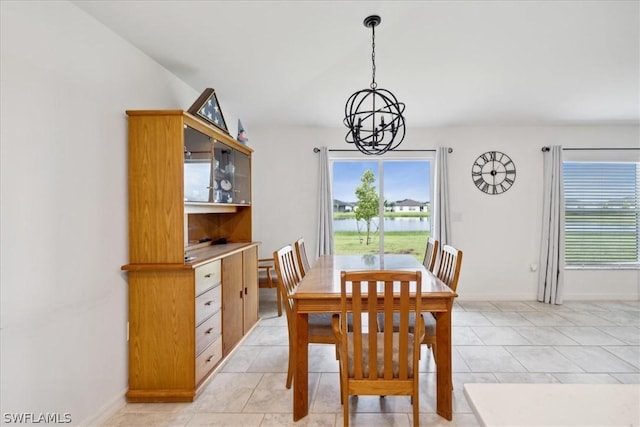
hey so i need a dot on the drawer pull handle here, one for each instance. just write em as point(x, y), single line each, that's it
point(208, 302)
point(208, 275)
point(210, 358)
point(209, 331)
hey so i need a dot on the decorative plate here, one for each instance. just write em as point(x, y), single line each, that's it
point(225, 184)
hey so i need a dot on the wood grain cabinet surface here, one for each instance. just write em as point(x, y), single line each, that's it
point(190, 301)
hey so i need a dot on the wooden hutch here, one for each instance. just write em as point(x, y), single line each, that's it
point(193, 286)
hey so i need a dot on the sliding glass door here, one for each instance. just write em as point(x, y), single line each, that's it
point(381, 206)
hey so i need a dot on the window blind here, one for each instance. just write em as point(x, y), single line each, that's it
point(602, 213)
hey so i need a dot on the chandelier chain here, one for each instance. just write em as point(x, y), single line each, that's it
point(373, 57)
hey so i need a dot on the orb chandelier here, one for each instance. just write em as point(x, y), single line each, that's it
point(374, 115)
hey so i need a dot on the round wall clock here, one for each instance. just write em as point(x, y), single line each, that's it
point(493, 172)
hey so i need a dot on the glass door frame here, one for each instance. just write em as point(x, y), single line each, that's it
point(354, 156)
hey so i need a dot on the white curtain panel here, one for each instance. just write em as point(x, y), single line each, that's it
point(441, 211)
point(551, 277)
point(325, 206)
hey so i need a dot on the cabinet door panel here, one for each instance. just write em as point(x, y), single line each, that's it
point(198, 170)
point(156, 217)
point(250, 261)
point(232, 294)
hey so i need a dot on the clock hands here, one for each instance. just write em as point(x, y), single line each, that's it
point(493, 174)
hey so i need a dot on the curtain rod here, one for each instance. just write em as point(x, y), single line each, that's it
point(595, 149)
point(317, 150)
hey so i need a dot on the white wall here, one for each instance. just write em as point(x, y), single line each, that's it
point(500, 235)
point(66, 82)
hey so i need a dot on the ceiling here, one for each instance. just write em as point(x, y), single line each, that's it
point(453, 63)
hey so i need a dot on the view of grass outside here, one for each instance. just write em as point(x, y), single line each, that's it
point(395, 242)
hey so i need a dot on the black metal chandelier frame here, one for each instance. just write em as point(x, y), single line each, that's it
point(374, 115)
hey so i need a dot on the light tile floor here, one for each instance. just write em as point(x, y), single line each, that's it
point(506, 341)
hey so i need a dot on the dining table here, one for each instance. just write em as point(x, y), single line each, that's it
point(319, 292)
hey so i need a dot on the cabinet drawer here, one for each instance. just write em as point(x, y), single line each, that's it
point(208, 303)
point(208, 359)
point(207, 276)
point(208, 331)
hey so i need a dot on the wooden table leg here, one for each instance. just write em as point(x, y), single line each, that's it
point(301, 363)
point(443, 365)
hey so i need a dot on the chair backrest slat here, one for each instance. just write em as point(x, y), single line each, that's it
point(404, 332)
point(372, 329)
point(357, 329)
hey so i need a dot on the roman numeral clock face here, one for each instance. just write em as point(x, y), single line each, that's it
point(493, 172)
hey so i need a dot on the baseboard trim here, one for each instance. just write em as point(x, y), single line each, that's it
point(107, 411)
point(567, 297)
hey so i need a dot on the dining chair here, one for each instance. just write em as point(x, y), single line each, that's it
point(449, 266)
point(320, 328)
point(372, 362)
point(448, 271)
point(268, 278)
point(301, 256)
point(431, 254)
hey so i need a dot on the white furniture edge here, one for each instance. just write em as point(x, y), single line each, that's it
point(510, 405)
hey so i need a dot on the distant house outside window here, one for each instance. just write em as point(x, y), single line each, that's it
point(602, 214)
